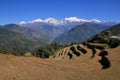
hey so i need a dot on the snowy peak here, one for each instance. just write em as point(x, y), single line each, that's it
point(75, 19)
point(95, 20)
point(36, 20)
point(55, 22)
point(52, 21)
point(33, 21)
point(22, 22)
point(72, 19)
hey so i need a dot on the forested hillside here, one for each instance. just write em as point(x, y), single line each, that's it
point(16, 43)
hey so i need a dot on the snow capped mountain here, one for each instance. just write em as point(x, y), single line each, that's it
point(36, 20)
point(95, 20)
point(22, 22)
point(33, 21)
point(52, 21)
point(55, 22)
point(75, 19)
point(72, 19)
point(54, 27)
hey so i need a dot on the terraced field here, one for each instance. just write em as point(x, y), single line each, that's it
point(77, 62)
point(76, 51)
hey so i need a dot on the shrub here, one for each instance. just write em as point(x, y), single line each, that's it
point(47, 51)
point(28, 54)
point(114, 43)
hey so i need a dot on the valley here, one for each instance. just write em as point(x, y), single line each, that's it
point(84, 52)
point(59, 39)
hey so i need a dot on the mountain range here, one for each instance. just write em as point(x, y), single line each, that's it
point(54, 28)
point(80, 33)
point(55, 22)
point(37, 33)
point(26, 31)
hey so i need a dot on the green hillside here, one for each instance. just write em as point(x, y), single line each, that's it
point(78, 34)
point(26, 31)
point(115, 30)
point(13, 42)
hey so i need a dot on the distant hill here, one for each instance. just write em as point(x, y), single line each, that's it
point(51, 31)
point(26, 31)
point(54, 27)
point(80, 33)
point(16, 42)
point(115, 30)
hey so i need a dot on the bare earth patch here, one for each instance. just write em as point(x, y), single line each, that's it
point(82, 68)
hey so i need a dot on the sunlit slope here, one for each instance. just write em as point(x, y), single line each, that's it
point(86, 68)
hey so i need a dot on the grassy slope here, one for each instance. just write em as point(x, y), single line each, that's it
point(11, 39)
point(82, 68)
point(115, 30)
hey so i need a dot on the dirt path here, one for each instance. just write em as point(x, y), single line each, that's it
point(84, 68)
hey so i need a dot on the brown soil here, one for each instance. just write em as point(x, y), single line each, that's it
point(82, 68)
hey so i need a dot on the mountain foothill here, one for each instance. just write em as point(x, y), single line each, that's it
point(30, 36)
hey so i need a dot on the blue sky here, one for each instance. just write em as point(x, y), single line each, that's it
point(14, 11)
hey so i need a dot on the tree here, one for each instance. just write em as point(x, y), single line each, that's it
point(47, 51)
point(106, 36)
point(16, 50)
point(4, 50)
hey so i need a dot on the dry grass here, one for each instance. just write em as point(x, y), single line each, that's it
point(82, 68)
